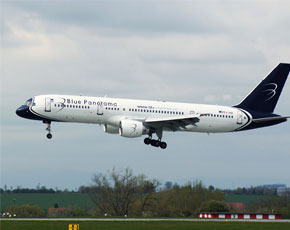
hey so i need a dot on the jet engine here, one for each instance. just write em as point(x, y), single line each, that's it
point(111, 129)
point(130, 128)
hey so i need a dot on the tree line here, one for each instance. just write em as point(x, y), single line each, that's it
point(38, 189)
point(253, 190)
point(122, 193)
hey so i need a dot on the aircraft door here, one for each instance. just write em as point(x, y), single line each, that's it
point(100, 109)
point(240, 117)
point(47, 105)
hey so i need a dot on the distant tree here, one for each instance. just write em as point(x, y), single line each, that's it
point(184, 200)
point(215, 206)
point(168, 185)
point(210, 188)
point(145, 195)
point(38, 186)
point(121, 192)
point(86, 189)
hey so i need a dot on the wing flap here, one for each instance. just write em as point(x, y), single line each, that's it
point(172, 123)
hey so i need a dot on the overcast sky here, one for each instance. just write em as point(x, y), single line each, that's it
point(212, 52)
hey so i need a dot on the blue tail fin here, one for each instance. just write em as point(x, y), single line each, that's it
point(266, 95)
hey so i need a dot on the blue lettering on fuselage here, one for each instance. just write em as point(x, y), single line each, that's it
point(88, 102)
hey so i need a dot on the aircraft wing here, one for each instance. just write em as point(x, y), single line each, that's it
point(172, 123)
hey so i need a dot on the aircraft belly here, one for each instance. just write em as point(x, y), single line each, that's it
point(212, 127)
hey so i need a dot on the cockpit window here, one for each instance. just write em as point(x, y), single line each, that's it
point(28, 102)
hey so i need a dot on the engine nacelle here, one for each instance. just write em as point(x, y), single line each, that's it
point(111, 129)
point(130, 128)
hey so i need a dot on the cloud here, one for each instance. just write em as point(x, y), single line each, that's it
point(199, 52)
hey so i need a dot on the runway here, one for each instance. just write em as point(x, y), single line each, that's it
point(145, 219)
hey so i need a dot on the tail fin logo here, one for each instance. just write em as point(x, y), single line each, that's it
point(271, 91)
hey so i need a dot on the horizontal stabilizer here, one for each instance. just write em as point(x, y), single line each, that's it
point(266, 119)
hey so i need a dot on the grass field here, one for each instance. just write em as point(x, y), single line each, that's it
point(137, 225)
point(246, 199)
point(45, 201)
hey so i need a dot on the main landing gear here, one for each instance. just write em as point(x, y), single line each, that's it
point(48, 123)
point(155, 143)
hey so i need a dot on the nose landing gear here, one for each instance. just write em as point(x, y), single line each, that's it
point(49, 135)
point(48, 123)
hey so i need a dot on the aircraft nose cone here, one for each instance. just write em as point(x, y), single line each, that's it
point(22, 111)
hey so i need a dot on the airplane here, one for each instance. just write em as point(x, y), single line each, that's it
point(134, 118)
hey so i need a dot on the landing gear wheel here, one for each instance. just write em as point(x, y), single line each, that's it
point(49, 135)
point(163, 145)
point(147, 141)
point(153, 142)
point(157, 144)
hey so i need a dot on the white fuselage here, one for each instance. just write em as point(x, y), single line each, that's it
point(111, 111)
point(134, 118)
